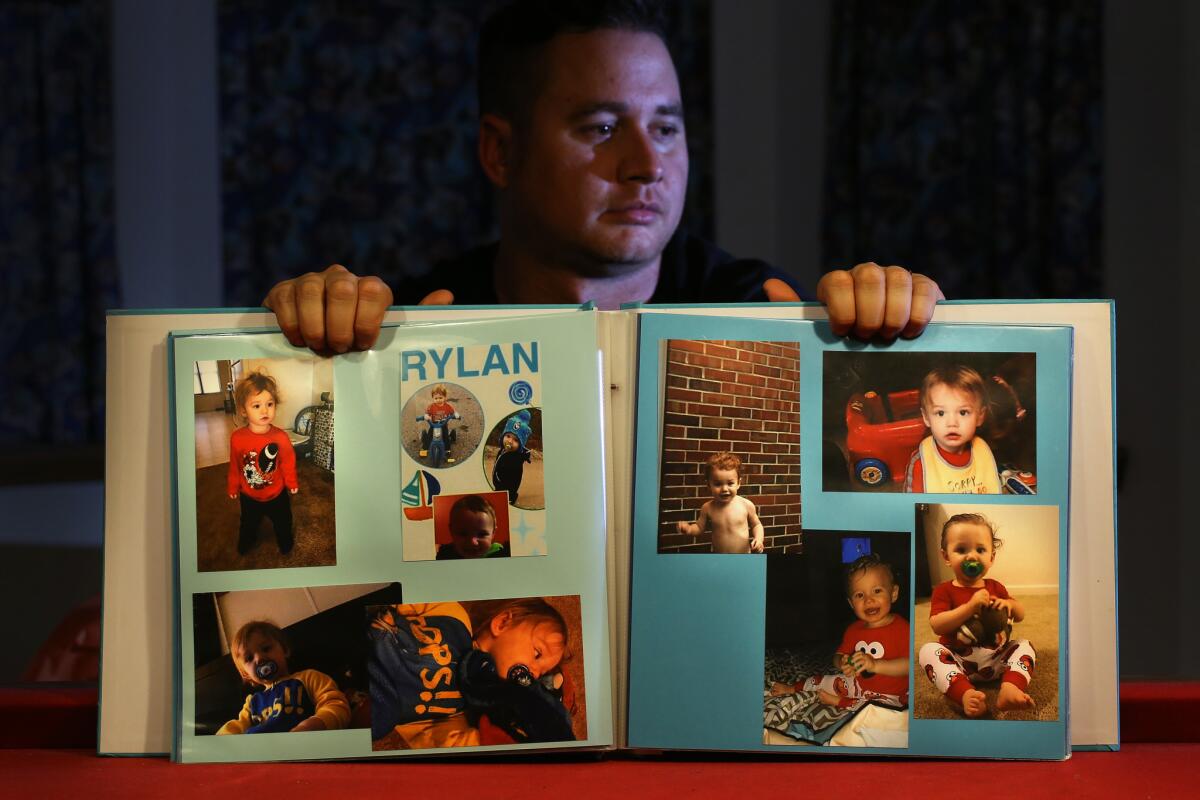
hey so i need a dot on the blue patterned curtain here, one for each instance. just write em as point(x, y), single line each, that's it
point(964, 141)
point(57, 266)
point(347, 135)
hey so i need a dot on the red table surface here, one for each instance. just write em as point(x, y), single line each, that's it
point(1159, 731)
point(1139, 770)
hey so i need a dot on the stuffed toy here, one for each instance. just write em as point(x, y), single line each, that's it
point(991, 628)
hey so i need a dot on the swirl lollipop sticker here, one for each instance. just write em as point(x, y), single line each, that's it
point(520, 393)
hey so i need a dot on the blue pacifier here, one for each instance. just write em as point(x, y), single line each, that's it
point(520, 675)
point(265, 671)
point(972, 568)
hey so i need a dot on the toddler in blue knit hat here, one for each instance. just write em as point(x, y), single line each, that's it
point(513, 456)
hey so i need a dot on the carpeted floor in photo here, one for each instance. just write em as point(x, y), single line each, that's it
point(1040, 627)
point(218, 517)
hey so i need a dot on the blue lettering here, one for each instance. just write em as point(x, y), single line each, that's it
point(412, 359)
point(530, 358)
point(463, 372)
point(495, 361)
point(441, 362)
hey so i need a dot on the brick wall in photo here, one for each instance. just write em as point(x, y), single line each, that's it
point(743, 397)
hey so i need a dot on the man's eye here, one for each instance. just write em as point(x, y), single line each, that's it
point(666, 131)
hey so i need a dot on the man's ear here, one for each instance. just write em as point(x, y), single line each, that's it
point(496, 149)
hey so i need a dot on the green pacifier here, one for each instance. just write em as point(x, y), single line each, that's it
point(972, 568)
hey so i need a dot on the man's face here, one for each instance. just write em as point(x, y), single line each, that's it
point(599, 166)
point(471, 532)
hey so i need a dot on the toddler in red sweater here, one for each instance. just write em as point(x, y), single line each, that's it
point(262, 464)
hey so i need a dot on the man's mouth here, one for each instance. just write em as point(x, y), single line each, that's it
point(637, 213)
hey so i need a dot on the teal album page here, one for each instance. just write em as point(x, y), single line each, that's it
point(394, 551)
point(851, 548)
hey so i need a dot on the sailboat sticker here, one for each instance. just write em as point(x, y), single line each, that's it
point(418, 496)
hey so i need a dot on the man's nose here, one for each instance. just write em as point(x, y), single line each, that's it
point(640, 160)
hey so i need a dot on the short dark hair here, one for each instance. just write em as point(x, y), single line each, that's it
point(473, 503)
point(723, 460)
point(513, 37)
point(868, 562)
point(972, 519)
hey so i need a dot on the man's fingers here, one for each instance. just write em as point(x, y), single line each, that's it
point(836, 291)
point(897, 301)
point(374, 297)
point(925, 294)
point(779, 292)
point(310, 308)
point(438, 297)
point(870, 297)
point(282, 300)
point(341, 303)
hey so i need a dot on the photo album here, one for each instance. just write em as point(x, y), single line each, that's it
point(713, 528)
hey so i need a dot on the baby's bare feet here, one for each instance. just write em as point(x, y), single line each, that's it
point(1011, 697)
point(974, 703)
point(828, 698)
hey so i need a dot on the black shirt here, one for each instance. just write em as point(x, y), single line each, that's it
point(692, 271)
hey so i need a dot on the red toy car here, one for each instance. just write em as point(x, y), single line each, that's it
point(883, 431)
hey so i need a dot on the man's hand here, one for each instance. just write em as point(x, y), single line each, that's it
point(756, 545)
point(335, 310)
point(871, 300)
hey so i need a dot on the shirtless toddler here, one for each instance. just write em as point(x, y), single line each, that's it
point(734, 522)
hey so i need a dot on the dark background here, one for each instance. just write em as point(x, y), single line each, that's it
point(1018, 149)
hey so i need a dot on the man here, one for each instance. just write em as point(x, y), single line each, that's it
point(581, 132)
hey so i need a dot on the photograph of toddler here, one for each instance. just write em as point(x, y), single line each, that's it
point(927, 422)
point(843, 602)
point(484, 672)
point(872, 661)
point(440, 425)
point(983, 661)
point(513, 459)
point(476, 526)
point(264, 450)
point(284, 660)
point(730, 448)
